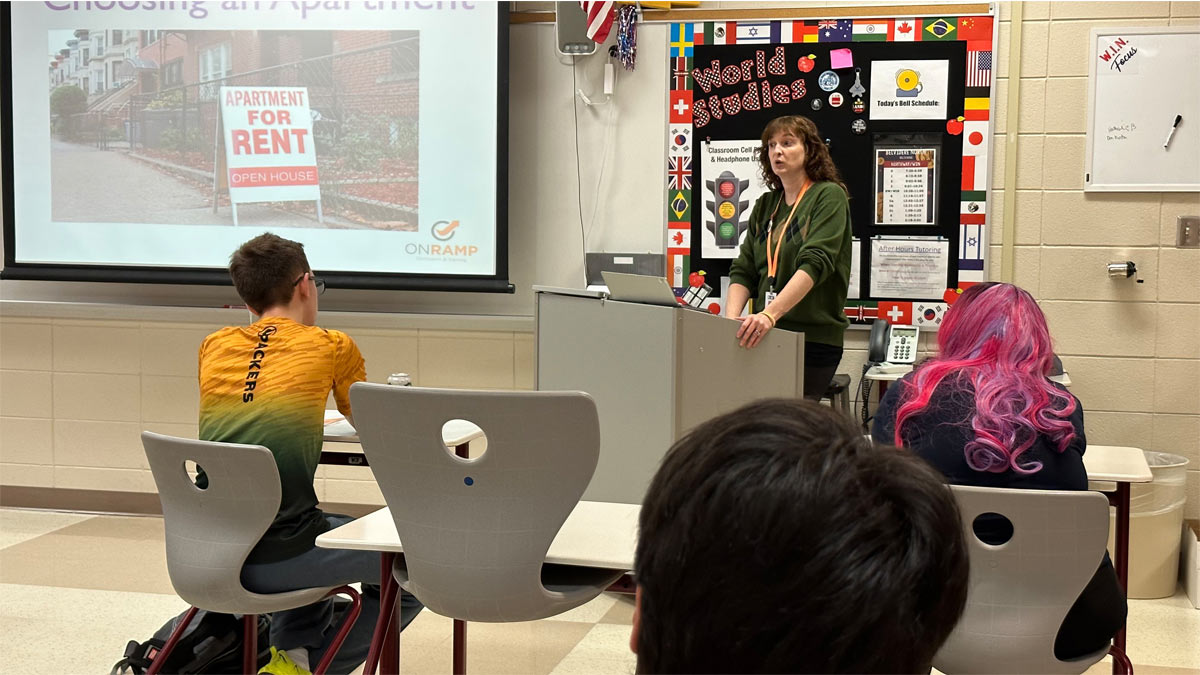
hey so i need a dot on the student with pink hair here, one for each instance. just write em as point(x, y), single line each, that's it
point(983, 412)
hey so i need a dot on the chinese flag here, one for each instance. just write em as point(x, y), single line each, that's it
point(975, 28)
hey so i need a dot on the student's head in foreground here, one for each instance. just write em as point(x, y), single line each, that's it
point(778, 539)
point(272, 273)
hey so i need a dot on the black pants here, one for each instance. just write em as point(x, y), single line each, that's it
point(820, 365)
point(1095, 617)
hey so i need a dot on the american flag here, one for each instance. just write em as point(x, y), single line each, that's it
point(979, 69)
point(599, 19)
point(679, 173)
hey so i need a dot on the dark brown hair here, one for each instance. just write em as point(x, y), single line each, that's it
point(817, 163)
point(264, 269)
point(776, 539)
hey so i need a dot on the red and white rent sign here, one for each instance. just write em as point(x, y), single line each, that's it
point(269, 147)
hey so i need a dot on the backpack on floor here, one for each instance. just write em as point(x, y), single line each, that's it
point(212, 643)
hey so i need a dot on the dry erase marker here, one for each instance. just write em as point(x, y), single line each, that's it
point(1178, 119)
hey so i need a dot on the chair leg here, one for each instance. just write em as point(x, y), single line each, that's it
point(347, 623)
point(459, 664)
point(389, 593)
point(1121, 663)
point(250, 643)
point(157, 664)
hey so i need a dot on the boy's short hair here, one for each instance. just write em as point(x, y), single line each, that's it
point(778, 539)
point(264, 269)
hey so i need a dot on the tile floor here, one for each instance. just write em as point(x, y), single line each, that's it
point(75, 587)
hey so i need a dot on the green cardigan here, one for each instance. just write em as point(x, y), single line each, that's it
point(818, 242)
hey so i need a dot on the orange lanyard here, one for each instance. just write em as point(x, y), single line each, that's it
point(773, 259)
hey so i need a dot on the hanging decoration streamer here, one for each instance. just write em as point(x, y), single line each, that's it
point(627, 35)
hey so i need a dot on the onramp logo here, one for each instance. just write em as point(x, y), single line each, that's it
point(443, 230)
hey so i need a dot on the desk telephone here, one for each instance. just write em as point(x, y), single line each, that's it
point(890, 350)
point(891, 345)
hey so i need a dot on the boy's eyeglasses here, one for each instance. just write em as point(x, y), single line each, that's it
point(317, 281)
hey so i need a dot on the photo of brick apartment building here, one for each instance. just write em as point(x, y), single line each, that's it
point(135, 113)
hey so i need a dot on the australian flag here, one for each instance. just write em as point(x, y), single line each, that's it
point(840, 30)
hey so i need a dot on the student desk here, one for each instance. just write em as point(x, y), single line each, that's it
point(596, 534)
point(1120, 465)
point(457, 434)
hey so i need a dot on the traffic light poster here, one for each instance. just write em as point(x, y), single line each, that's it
point(731, 186)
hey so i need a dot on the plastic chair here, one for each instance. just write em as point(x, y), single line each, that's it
point(210, 531)
point(1021, 590)
point(476, 531)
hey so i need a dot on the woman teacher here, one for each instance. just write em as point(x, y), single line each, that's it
point(795, 260)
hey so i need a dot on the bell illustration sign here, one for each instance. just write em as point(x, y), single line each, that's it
point(727, 226)
point(269, 151)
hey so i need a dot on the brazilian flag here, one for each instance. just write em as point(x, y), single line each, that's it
point(939, 30)
point(680, 204)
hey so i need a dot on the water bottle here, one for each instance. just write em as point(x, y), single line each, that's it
point(400, 380)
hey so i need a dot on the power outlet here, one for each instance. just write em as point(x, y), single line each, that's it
point(1188, 234)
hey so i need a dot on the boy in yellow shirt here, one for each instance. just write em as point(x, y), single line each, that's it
point(266, 384)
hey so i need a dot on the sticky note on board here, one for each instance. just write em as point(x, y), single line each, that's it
point(841, 58)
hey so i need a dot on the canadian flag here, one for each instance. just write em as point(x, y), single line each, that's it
point(599, 19)
point(906, 30)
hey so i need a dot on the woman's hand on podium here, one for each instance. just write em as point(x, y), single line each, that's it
point(752, 330)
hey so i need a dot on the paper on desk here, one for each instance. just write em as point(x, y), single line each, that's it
point(336, 424)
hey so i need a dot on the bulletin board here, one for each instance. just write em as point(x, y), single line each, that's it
point(904, 105)
point(1136, 95)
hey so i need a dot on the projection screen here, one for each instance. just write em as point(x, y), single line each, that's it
point(145, 141)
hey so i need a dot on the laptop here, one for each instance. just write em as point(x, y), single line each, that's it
point(647, 290)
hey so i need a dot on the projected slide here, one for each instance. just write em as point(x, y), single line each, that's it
point(163, 134)
point(322, 124)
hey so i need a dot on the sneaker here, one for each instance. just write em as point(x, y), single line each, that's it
point(281, 664)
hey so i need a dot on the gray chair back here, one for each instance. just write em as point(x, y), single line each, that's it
point(211, 531)
point(1021, 590)
point(475, 532)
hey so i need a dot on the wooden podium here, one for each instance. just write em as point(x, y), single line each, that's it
point(655, 373)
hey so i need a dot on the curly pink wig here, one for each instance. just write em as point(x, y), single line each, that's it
point(995, 341)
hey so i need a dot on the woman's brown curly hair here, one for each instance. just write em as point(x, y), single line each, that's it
point(818, 165)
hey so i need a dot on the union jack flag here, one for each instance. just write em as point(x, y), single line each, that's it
point(827, 24)
point(679, 173)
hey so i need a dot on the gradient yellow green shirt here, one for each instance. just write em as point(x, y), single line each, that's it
point(267, 384)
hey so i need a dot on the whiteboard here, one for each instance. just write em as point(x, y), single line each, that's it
point(1139, 80)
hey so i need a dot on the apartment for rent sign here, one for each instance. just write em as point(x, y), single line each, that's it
point(269, 147)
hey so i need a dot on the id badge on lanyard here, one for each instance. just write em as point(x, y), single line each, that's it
point(771, 295)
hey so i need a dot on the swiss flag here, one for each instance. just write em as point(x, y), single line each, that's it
point(896, 313)
point(681, 106)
